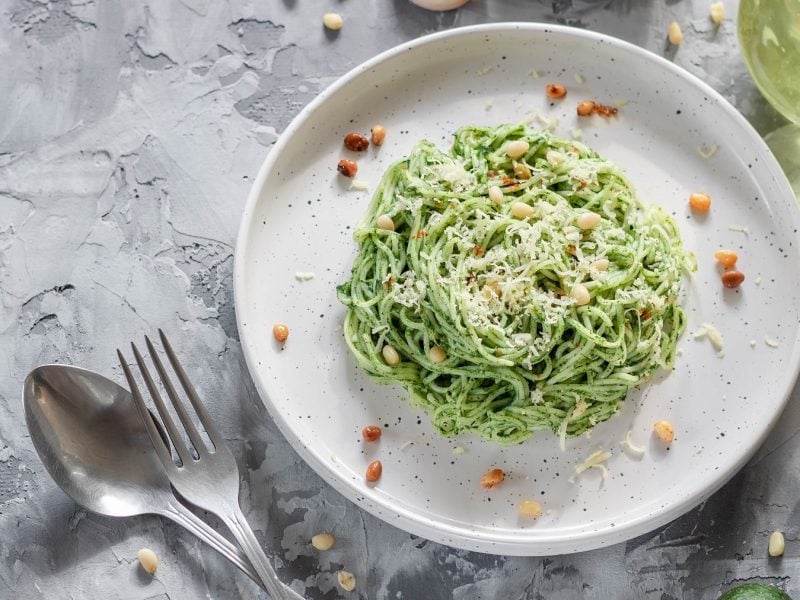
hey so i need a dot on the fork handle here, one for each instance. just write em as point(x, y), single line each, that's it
point(184, 517)
point(241, 530)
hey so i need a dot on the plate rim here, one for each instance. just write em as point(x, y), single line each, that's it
point(441, 531)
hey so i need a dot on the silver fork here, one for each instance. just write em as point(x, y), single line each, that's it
point(207, 477)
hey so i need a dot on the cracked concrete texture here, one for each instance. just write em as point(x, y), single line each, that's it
point(130, 131)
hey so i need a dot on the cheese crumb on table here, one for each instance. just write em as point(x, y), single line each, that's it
point(303, 275)
point(707, 330)
point(771, 342)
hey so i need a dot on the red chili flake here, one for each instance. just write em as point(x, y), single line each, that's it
point(420, 234)
point(478, 250)
point(508, 180)
point(470, 278)
point(389, 282)
point(571, 249)
point(645, 314)
point(491, 173)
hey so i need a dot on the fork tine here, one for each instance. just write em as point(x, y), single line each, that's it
point(199, 408)
point(172, 431)
point(197, 441)
point(161, 448)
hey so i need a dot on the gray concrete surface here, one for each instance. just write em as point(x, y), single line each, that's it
point(130, 131)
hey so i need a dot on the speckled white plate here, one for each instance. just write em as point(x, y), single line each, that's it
point(300, 217)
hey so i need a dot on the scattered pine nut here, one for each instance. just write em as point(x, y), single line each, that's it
point(674, 33)
point(385, 222)
point(371, 433)
point(517, 148)
point(148, 559)
point(521, 171)
point(726, 258)
point(556, 91)
point(580, 294)
point(717, 12)
point(492, 478)
point(280, 331)
point(520, 210)
point(495, 194)
point(390, 355)
point(333, 21)
point(378, 134)
point(777, 544)
point(323, 541)
point(437, 354)
point(585, 108)
point(664, 431)
point(587, 220)
point(347, 581)
point(347, 167)
point(732, 279)
point(601, 264)
point(530, 509)
point(700, 203)
point(356, 142)
point(374, 471)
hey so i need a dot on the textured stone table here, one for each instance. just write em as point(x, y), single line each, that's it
point(129, 134)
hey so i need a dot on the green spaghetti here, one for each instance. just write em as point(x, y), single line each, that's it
point(511, 295)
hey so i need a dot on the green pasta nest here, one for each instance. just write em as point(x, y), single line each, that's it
point(484, 299)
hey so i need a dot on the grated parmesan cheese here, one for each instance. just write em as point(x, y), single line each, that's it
point(533, 73)
point(713, 335)
point(628, 445)
point(594, 461)
point(752, 343)
point(303, 275)
point(579, 78)
point(758, 280)
point(771, 342)
point(739, 228)
point(483, 71)
point(458, 451)
point(359, 185)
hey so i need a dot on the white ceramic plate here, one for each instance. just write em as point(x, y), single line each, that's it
point(300, 217)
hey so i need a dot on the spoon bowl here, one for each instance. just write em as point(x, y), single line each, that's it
point(92, 441)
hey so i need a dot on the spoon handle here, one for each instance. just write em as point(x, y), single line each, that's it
point(181, 515)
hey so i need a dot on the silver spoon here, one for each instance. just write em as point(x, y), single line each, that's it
point(89, 435)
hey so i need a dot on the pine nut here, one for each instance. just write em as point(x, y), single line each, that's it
point(390, 355)
point(346, 167)
point(378, 134)
point(520, 210)
point(517, 148)
point(580, 294)
point(385, 222)
point(496, 194)
point(356, 142)
point(521, 171)
point(585, 108)
point(437, 354)
point(732, 279)
point(280, 331)
point(347, 580)
point(726, 258)
point(717, 12)
point(601, 264)
point(664, 431)
point(323, 541)
point(530, 509)
point(492, 478)
point(777, 544)
point(371, 433)
point(674, 33)
point(374, 471)
point(556, 91)
point(333, 21)
point(700, 202)
point(587, 220)
point(148, 559)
